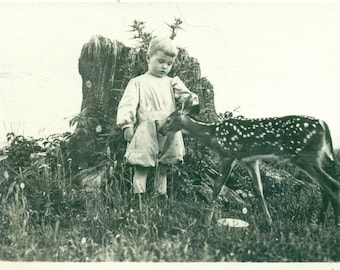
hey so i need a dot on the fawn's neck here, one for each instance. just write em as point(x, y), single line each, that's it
point(200, 131)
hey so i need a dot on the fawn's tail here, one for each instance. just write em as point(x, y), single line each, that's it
point(328, 143)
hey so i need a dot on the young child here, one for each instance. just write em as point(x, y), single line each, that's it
point(147, 98)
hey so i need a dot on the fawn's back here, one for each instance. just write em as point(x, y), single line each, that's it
point(284, 137)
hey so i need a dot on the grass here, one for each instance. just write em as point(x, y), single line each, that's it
point(164, 234)
point(49, 214)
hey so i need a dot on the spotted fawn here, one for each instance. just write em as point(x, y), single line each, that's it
point(303, 141)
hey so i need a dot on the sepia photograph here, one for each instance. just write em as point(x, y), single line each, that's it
point(191, 134)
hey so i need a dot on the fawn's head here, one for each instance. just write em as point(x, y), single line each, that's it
point(174, 122)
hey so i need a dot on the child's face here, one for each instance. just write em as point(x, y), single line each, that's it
point(160, 64)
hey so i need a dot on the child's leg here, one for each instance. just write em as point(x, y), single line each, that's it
point(139, 179)
point(160, 178)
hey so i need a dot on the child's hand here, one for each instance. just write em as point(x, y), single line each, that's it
point(128, 134)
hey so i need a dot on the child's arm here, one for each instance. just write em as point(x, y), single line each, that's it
point(126, 114)
point(182, 93)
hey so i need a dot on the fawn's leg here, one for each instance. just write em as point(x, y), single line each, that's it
point(333, 196)
point(254, 172)
point(226, 167)
point(329, 188)
point(330, 192)
point(324, 206)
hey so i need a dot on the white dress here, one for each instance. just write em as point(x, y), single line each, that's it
point(148, 98)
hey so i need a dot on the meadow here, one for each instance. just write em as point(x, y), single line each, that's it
point(52, 212)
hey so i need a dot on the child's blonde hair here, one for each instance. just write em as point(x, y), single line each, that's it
point(164, 44)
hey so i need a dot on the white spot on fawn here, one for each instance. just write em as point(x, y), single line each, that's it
point(234, 138)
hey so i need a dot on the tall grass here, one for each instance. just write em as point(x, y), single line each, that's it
point(50, 212)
